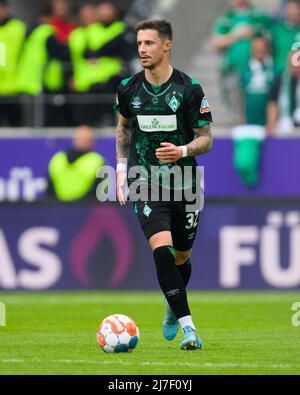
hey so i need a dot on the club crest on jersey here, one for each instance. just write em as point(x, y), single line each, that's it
point(173, 102)
point(204, 106)
point(147, 210)
point(136, 103)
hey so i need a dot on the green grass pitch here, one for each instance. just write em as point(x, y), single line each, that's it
point(243, 333)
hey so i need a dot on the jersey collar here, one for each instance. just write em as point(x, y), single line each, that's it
point(164, 86)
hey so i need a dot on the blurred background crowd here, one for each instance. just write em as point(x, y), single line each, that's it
point(259, 74)
point(257, 63)
point(73, 54)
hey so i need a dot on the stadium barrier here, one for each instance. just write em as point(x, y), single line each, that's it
point(24, 164)
point(33, 109)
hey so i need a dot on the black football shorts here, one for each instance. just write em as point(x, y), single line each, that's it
point(170, 216)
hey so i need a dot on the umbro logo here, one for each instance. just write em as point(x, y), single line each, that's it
point(173, 292)
point(136, 104)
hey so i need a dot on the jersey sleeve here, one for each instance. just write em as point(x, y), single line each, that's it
point(198, 110)
point(122, 102)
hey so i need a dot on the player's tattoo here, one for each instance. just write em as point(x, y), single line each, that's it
point(202, 142)
point(123, 142)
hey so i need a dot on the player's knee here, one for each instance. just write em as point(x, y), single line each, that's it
point(182, 257)
point(164, 258)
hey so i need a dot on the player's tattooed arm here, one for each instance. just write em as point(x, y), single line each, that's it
point(202, 142)
point(123, 136)
point(170, 153)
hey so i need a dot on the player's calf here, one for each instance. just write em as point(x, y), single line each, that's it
point(170, 281)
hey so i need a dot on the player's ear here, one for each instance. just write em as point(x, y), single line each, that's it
point(168, 45)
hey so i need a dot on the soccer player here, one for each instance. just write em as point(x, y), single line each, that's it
point(164, 121)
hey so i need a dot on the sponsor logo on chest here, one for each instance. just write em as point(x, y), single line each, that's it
point(157, 123)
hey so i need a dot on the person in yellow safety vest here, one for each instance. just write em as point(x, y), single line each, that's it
point(117, 41)
point(12, 36)
point(98, 53)
point(93, 37)
point(72, 173)
point(34, 59)
point(43, 67)
point(78, 41)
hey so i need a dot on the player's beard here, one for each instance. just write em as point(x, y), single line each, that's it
point(149, 66)
point(153, 65)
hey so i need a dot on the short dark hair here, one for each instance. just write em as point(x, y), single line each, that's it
point(162, 26)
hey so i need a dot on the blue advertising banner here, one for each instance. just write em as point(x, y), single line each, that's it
point(102, 247)
point(24, 164)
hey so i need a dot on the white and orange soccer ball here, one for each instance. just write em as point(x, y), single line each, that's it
point(118, 333)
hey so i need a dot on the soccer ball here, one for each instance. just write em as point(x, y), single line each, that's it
point(118, 333)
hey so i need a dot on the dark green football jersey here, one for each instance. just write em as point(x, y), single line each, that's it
point(167, 113)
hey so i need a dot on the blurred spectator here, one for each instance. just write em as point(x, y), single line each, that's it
point(12, 37)
point(285, 34)
point(234, 31)
point(100, 62)
point(30, 77)
point(232, 36)
point(257, 80)
point(122, 44)
point(87, 14)
point(72, 173)
point(45, 68)
point(57, 58)
point(59, 70)
point(78, 41)
point(61, 20)
point(284, 106)
point(248, 139)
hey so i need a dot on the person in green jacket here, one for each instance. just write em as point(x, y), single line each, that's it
point(233, 33)
point(257, 80)
point(285, 34)
point(284, 101)
point(72, 173)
